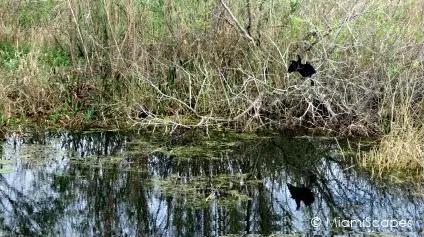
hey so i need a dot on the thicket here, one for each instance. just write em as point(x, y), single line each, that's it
point(212, 63)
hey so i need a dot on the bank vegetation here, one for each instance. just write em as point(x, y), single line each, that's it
point(212, 64)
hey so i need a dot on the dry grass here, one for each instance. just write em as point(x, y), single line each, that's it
point(211, 63)
point(400, 154)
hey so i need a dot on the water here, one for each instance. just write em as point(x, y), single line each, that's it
point(122, 184)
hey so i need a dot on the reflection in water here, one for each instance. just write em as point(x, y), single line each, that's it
point(116, 184)
point(301, 194)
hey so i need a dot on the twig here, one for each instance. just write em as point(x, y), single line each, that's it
point(253, 105)
point(246, 34)
point(80, 34)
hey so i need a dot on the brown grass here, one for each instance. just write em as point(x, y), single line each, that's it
point(212, 63)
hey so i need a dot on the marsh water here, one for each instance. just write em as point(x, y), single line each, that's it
point(221, 184)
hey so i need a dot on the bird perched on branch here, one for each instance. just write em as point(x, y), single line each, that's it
point(306, 70)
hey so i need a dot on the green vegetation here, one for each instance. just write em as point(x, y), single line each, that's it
point(80, 64)
point(399, 156)
point(5, 170)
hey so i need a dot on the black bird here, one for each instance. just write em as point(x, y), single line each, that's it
point(306, 70)
point(301, 194)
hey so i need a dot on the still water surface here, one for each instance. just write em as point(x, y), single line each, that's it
point(122, 184)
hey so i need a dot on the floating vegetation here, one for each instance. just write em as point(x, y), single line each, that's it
point(194, 145)
point(200, 191)
point(6, 170)
point(6, 162)
point(201, 151)
point(98, 161)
